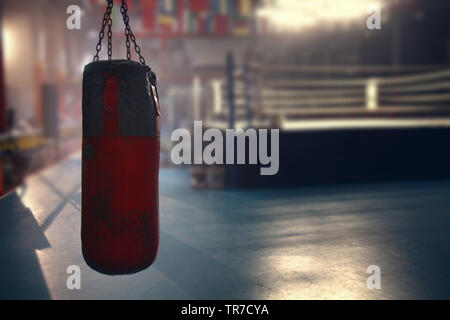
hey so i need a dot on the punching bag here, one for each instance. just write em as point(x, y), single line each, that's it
point(120, 160)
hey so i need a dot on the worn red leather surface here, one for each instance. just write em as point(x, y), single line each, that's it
point(119, 194)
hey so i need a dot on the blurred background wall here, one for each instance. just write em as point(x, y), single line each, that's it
point(187, 41)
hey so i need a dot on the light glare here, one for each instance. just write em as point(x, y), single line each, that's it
point(287, 15)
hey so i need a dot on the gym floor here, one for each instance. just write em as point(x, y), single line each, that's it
point(295, 243)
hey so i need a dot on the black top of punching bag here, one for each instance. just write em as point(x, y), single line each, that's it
point(120, 68)
point(137, 115)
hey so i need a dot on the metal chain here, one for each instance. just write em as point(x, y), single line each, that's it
point(109, 38)
point(106, 20)
point(127, 42)
point(129, 34)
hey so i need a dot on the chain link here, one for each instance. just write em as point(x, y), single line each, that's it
point(127, 42)
point(109, 38)
point(129, 34)
point(106, 20)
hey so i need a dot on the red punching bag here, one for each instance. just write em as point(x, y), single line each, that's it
point(119, 227)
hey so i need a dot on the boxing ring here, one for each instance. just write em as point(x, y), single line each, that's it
point(338, 123)
point(286, 95)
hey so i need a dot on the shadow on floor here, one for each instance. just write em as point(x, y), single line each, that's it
point(20, 272)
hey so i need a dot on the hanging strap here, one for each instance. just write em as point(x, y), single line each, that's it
point(129, 36)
